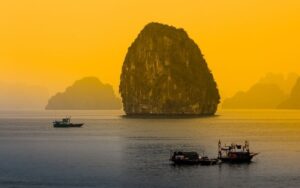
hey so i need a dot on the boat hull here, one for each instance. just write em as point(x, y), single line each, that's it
point(228, 160)
point(196, 162)
point(209, 162)
point(68, 125)
point(238, 158)
point(186, 162)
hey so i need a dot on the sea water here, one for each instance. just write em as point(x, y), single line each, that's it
point(111, 150)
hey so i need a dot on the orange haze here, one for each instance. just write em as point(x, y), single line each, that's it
point(52, 43)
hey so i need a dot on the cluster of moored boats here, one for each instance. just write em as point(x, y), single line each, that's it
point(233, 153)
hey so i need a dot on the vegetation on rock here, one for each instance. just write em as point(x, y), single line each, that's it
point(164, 73)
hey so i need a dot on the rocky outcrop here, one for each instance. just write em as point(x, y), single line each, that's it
point(259, 96)
point(85, 94)
point(293, 101)
point(164, 73)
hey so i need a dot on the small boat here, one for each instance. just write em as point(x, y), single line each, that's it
point(191, 158)
point(66, 122)
point(235, 153)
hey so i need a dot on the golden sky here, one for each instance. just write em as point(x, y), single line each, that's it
point(54, 42)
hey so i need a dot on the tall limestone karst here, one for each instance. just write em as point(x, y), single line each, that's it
point(164, 73)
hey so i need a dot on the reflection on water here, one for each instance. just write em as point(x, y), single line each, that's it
point(113, 151)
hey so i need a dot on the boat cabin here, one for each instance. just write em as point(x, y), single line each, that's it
point(235, 153)
point(66, 120)
point(180, 157)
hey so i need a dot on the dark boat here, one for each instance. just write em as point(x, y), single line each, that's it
point(235, 153)
point(66, 122)
point(191, 158)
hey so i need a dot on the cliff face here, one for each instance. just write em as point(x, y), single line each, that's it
point(293, 101)
point(164, 72)
point(85, 94)
point(259, 96)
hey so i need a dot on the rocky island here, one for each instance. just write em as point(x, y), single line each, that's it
point(165, 73)
point(85, 94)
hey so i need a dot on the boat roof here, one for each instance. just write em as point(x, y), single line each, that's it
point(186, 153)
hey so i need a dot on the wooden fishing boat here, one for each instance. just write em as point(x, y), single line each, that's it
point(66, 122)
point(235, 153)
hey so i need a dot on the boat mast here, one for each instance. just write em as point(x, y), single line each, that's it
point(247, 146)
point(220, 149)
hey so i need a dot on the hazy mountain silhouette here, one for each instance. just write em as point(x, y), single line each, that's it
point(293, 101)
point(268, 93)
point(285, 83)
point(259, 96)
point(164, 72)
point(85, 94)
point(20, 96)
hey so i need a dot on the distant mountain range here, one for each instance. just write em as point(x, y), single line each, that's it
point(259, 96)
point(271, 92)
point(293, 101)
point(274, 91)
point(86, 94)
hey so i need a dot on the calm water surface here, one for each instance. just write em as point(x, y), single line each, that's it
point(112, 151)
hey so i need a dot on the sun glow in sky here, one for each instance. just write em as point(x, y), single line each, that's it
point(52, 43)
